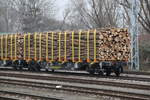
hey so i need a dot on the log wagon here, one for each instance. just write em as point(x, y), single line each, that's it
point(99, 51)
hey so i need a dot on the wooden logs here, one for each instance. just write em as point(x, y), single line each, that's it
point(111, 44)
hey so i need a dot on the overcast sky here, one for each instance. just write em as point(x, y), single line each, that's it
point(60, 5)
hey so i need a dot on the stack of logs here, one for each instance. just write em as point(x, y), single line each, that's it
point(112, 44)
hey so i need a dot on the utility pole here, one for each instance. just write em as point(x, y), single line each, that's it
point(134, 36)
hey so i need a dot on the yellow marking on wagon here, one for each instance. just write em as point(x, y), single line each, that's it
point(73, 46)
point(47, 47)
point(15, 47)
point(88, 47)
point(59, 47)
point(95, 45)
point(65, 49)
point(2, 47)
point(11, 47)
point(79, 50)
point(6, 39)
point(35, 39)
point(29, 46)
point(24, 47)
point(52, 48)
point(40, 54)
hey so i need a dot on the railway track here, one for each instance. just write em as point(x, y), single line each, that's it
point(7, 95)
point(44, 77)
point(79, 73)
point(6, 98)
point(137, 72)
point(84, 74)
point(77, 80)
point(79, 89)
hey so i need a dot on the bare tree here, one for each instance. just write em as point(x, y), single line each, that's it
point(144, 13)
point(95, 13)
point(32, 12)
point(7, 17)
point(66, 13)
point(27, 15)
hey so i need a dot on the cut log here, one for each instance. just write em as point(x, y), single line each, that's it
point(107, 45)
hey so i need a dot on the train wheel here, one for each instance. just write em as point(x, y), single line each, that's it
point(91, 68)
point(46, 70)
point(29, 69)
point(77, 66)
point(92, 72)
point(52, 70)
point(101, 73)
point(37, 67)
point(108, 72)
point(14, 65)
point(118, 71)
point(15, 68)
point(20, 68)
point(1, 62)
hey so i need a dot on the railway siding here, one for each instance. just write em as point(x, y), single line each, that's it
point(82, 84)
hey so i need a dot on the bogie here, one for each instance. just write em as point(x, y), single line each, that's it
point(105, 68)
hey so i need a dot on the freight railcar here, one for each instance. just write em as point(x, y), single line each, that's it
point(101, 51)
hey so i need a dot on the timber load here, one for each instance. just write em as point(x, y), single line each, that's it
point(109, 44)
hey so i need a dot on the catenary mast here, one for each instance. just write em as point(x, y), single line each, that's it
point(134, 36)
